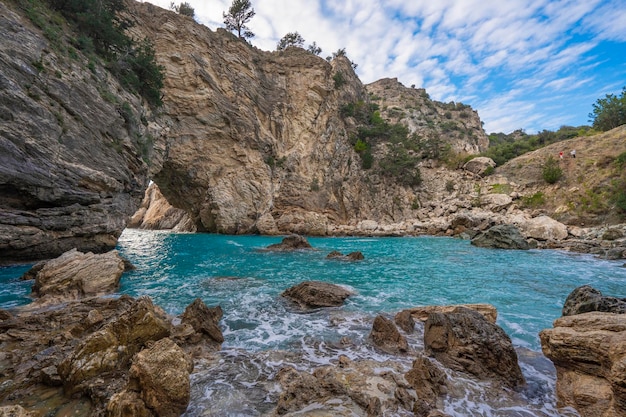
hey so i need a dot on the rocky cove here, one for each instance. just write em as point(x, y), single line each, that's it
point(256, 142)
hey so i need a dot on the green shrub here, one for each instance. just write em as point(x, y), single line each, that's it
point(551, 170)
point(621, 160)
point(339, 80)
point(535, 200)
point(367, 159)
point(360, 145)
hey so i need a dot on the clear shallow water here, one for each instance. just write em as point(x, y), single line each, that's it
point(527, 287)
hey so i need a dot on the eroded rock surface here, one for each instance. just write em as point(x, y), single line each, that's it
point(313, 294)
point(503, 236)
point(586, 298)
point(290, 243)
point(386, 336)
point(466, 341)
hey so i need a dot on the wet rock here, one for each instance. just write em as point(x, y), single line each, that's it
point(503, 236)
point(429, 382)
point(352, 256)
point(466, 341)
point(386, 336)
point(98, 362)
point(589, 353)
point(586, 298)
point(156, 213)
point(290, 243)
point(199, 330)
point(159, 376)
point(313, 294)
point(404, 320)
point(421, 313)
point(75, 275)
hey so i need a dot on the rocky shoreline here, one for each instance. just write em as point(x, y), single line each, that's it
point(98, 355)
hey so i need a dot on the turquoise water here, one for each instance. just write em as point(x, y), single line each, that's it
point(264, 332)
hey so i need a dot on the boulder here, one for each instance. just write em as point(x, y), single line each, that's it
point(479, 165)
point(495, 202)
point(158, 381)
point(586, 298)
point(386, 336)
point(544, 228)
point(404, 320)
point(14, 411)
point(290, 243)
point(487, 310)
point(204, 321)
point(466, 341)
point(504, 236)
point(429, 382)
point(101, 358)
point(589, 352)
point(352, 256)
point(156, 213)
point(613, 233)
point(313, 294)
point(75, 275)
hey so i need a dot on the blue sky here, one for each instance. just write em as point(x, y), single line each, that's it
point(523, 64)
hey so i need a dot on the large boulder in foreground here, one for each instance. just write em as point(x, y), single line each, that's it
point(586, 298)
point(158, 383)
point(466, 341)
point(589, 352)
point(290, 243)
point(386, 336)
point(76, 275)
point(503, 236)
point(314, 294)
point(544, 228)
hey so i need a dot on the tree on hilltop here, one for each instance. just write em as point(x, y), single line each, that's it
point(239, 13)
point(314, 49)
point(290, 39)
point(609, 112)
point(183, 8)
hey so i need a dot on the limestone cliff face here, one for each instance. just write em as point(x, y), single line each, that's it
point(256, 141)
point(71, 167)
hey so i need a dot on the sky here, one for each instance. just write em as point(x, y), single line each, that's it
point(522, 64)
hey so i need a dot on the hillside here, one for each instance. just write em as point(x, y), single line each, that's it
point(583, 196)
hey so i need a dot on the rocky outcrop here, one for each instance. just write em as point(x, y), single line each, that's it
point(75, 275)
point(314, 294)
point(14, 411)
point(503, 236)
point(479, 165)
point(488, 311)
point(429, 382)
point(156, 213)
point(199, 330)
point(158, 383)
point(352, 256)
point(466, 341)
point(290, 243)
point(386, 336)
point(589, 352)
point(544, 228)
point(71, 147)
point(586, 298)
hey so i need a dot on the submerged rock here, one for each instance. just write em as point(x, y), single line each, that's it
point(289, 243)
point(352, 256)
point(504, 236)
point(488, 311)
point(466, 341)
point(313, 294)
point(586, 298)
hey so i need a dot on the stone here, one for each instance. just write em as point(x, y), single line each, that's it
point(404, 320)
point(544, 228)
point(14, 411)
point(496, 202)
point(204, 320)
point(156, 213)
point(314, 294)
point(586, 298)
point(589, 353)
point(75, 274)
point(290, 243)
point(429, 382)
point(479, 165)
point(488, 311)
point(386, 336)
point(466, 341)
point(160, 373)
point(504, 236)
point(101, 356)
point(613, 233)
point(352, 256)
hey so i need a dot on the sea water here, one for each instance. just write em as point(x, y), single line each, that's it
point(264, 332)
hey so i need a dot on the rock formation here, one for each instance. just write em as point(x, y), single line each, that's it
point(501, 237)
point(290, 243)
point(352, 256)
point(314, 294)
point(588, 347)
point(156, 213)
point(386, 336)
point(466, 341)
point(488, 311)
point(71, 148)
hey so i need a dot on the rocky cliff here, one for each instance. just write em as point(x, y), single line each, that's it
point(257, 141)
point(72, 146)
